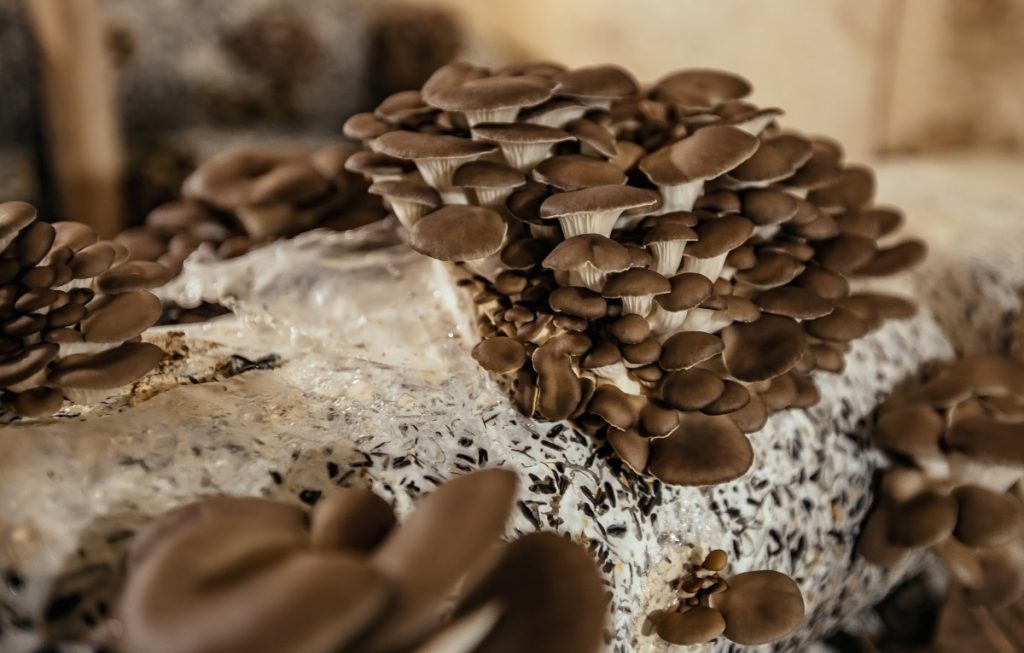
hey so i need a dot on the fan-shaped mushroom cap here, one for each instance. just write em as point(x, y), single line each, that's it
point(988, 439)
point(841, 325)
point(763, 349)
point(914, 431)
point(773, 269)
point(107, 369)
point(636, 287)
point(117, 318)
point(794, 302)
point(924, 520)
point(14, 216)
point(500, 354)
point(459, 233)
point(630, 329)
point(823, 282)
point(691, 389)
point(435, 155)
point(492, 99)
point(403, 108)
point(759, 607)
point(769, 206)
point(594, 138)
point(29, 362)
point(852, 190)
point(596, 209)
point(558, 386)
point(1003, 575)
point(986, 518)
point(697, 87)
point(615, 407)
point(492, 182)
point(733, 398)
point(133, 275)
point(580, 302)
point(574, 172)
point(821, 169)
point(703, 450)
point(350, 518)
point(591, 256)
point(718, 236)
point(752, 417)
point(554, 113)
point(604, 82)
point(688, 348)
point(410, 199)
point(365, 126)
point(450, 75)
point(695, 626)
point(688, 290)
point(777, 158)
point(894, 259)
point(377, 166)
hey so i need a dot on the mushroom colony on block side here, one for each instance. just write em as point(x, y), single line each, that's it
point(249, 575)
point(662, 266)
point(956, 484)
point(72, 309)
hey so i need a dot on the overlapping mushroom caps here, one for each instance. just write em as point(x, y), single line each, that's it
point(751, 608)
point(956, 485)
point(71, 312)
point(242, 198)
point(663, 266)
point(252, 575)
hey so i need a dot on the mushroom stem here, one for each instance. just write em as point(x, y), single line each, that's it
point(492, 197)
point(638, 304)
point(703, 319)
point(667, 255)
point(964, 470)
point(617, 375)
point(500, 115)
point(588, 275)
point(766, 231)
point(709, 267)
point(407, 212)
point(665, 323)
point(680, 197)
point(591, 222)
point(524, 156)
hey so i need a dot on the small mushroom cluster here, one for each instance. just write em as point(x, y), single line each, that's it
point(71, 312)
point(751, 608)
point(665, 266)
point(251, 575)
point(956, 485)
point(242, 198)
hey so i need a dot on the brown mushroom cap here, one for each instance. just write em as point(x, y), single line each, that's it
point(697, 87)
point(759, 607)
point(408, 190)
point(706, 154)
point(365, 126)
point(988, 439)
point(403, 108)
point(686, 349)
point(570, 172)
point(580, 302)
point(558, 386)
point(703, 450)
point(107, 369)
point(630, 329)
point(765, 206)
point(1003, 575)
point(914, 431)
point(897, 258)
point(374, 164)
point(794, 302)
point(692, 389)
point(924, 520)
point(852, 190)
point(763, 349)
point(599, 251)
point(487, 174)
point(720, 235)
point(695, 626)
point(116, 318)
point(500, 354)
point(595, 136)
point(635, 282)
point(133, 275)
point(986, 518)
point(589, 204)
point(403, 144)
point(775, 159)
point(688, 290)
point(449, 75)
point(821, 169)
point(773, 269)
point(604, 82)
point(498, 92)
point(459, 233)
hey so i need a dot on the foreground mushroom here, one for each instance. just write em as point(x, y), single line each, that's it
point(72, 313)
point(244, 574)
point(672, 265)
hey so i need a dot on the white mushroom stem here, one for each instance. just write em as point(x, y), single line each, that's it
point(501, 115)
point(72, 348)
point(559, 117)
point(757, 124)
point(709, 267)
point(75, 283)
point(524, 157)
point(488, 267)
point(407, 212)
point(591, 222)
point(665, 323)
point(766, 231)
point(638, 304)
point(452, 195)
point(706, 320)
point(681, 197)
point(616, 374)
point(667, 256)
point(964, 470)
point(589, 276)
point(492, 197)
point(438, 172)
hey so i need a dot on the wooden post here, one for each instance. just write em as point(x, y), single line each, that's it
point(80, 106)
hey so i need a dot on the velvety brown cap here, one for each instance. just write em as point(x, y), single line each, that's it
point(686, 349)
point(769, 205)
point(775, 159)
point(759, 607)
point(451, 75)
point(107, 369)
point(630, 329)
point(496, 92)
point(719, 235)
point(635, 282)
point(598, 198)
point(459, 233)
point(791, 301)
point(986, 518)
point(570, 172)
point(580, 302)
point(852, 190)
point(706, 154)
point(688, 290)
point(695, 626)
point(763, 349)
point(605, 82)
point(600, 251)
point(365, 126)
point(691, 389)
point(594, 135)
point(704, 450)
point(500, 354)
point(415, 145)
point(697, 87)
point(409, 190)
point(487, 174)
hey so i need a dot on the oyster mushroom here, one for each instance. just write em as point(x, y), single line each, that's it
point(490, 182)
point(437, 156)
point(759, 607)
point(491, 99)
point(409, 199)
point(763, 349)
point(469, 234)
point(688, 290)
point(569, 172)
point(588, 259)
point(636, 288)
point(523, 144)
point(594, 210)
point(703, 450)
point(715, 239)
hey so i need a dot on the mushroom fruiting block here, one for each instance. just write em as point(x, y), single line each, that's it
point(672, 263)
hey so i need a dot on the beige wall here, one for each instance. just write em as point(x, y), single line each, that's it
point(879, 74)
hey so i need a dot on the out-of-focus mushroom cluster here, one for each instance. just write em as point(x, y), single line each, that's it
point(955, 486)
point(663, 266)
point(71, 312)
point(252, 575)
point(243, 198)
point(751, 608)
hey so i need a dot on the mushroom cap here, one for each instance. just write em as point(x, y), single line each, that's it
point(733, 398)
point(669, 232)
point(611, 197)
point(703, 450)
point(776, 158)
point(752, 417)
point(403, 144)
point(773, 269)
point(685, 349)
point(763, 349)
point(759, 607)
point(577, 301)
point(631, 447)
point(559, 391)
point(914, 431)
point(897, 258)
point(794, 302)
point(695, 626)
point(409, 190)
point(701, 87)
point(603, 82)
point(500, 354)
point(459, 233)
point(600, 251)
point(110, 368)
point(364, 126)
point(595, 135)
point(403, 107)
point(691, 389)
point(1003, 575)
point(525, 253)
point(635, 282)
point(988, 439)
point(15, 216)
point(720, 235)
point(571, 172)
point(451, 74)
point(852, 190)
point(116, 318)
point(688, 290)
point(630, 329)
point(365, 162)
point(846, 252)
point(27, 363)
point(645, 352)
point(923, 521)
point(498, 92)
point(821, 169)
point(769, 205)
point(614, 406)
point(841, 325)
point(823, 282)
point(520, 133)
point(986, 518)
point(603, 353)
point(227, 179)
point(706, 154)
point(487, 174)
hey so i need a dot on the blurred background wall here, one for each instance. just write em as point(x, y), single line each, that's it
point(191, 77)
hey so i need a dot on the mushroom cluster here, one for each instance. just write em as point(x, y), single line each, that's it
point(663, 266)
point(243, 198)
point(956, 485)
point(252, 575)
point(72, 312)
point(751, 608)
